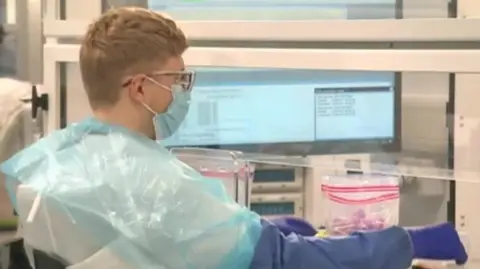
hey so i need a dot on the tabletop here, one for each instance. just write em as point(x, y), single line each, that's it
point(447, 265)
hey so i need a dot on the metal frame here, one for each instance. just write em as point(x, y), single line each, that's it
point(296, 198)
point(449, 61)
point(11, 13)
point(29, 39)
point(409, 29)
point(339, 31)
point(297, 183)
point(466, 157)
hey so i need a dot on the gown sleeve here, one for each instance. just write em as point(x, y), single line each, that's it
point(387, 249)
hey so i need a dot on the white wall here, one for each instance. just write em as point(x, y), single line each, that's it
point(424, 100)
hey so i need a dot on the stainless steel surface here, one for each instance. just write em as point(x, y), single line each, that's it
point(449, 265)
point(473, 265)
point(442, 265)
point(29, 40)
point(119, 3)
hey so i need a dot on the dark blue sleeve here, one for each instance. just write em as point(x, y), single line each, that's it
point(387, 249)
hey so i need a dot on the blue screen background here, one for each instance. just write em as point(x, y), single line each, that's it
point(258, 106)
point(275, 9)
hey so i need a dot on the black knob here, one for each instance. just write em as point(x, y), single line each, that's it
point(38, 101)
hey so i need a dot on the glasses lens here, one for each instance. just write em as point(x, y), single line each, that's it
point(186, 79)
point(183, 78)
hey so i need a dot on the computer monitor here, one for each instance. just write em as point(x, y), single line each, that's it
point(293, 112)
point(278, 9)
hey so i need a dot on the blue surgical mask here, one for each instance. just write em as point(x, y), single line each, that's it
point(167, 123)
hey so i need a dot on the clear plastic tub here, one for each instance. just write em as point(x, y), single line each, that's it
point(354, 203)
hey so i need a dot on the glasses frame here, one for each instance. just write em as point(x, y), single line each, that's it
point(186, 84)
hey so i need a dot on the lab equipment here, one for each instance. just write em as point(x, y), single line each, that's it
point(277, 178)
point(227, 166)
point(274, 205)
point(327, 112)
point(360, 203)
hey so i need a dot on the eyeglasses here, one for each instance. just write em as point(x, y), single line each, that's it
point(185, 78)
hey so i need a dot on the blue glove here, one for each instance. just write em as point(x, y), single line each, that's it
point(440, 242)
point(288, 225)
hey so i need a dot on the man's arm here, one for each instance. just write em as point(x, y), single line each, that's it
point(229, 236)
point(390, 248)
point(201, 227)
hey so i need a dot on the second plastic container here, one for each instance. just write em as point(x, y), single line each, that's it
point(360, 203)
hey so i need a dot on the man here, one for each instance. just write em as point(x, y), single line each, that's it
point(162, 213)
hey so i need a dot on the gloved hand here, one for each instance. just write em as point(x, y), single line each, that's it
point(439, 242)
point(288, 225)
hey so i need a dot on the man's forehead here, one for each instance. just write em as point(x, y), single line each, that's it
point(174, 64)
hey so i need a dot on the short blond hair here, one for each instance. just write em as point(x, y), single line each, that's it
point(123, 42)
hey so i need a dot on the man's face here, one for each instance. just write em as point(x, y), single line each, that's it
point(155, 89)
point(158, 86)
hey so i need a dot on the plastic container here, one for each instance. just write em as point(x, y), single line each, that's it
point(354, 203)
point(227, 166)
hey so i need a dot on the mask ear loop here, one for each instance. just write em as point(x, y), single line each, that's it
point(162, 86)
point(149, 109)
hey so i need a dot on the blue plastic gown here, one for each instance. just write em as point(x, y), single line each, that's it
point(119, 185)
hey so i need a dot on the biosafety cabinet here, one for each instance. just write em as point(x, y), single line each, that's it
point(333, 87)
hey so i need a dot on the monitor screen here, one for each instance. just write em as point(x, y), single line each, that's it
point(277, 9)
point(292, 112)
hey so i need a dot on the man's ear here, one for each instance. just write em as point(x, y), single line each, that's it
point(136, 89)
